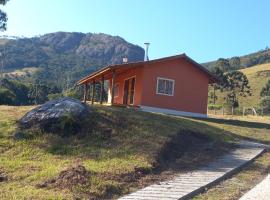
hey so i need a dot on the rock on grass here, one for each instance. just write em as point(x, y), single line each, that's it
point(64, 116)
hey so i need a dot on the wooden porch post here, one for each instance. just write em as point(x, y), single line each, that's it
point(93, 91)
point(113, 82)
point(85, 93)
point(101, 90)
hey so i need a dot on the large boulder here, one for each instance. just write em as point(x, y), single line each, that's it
point(64, 116)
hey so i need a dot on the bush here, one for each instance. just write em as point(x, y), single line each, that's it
point(14, 91)
point(55, 96)
point(265, 103)
point(7, 97)
point(214, 107)
point(75, 93)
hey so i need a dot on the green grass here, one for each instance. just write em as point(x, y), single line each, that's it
point(135, 141)
point(257, 130)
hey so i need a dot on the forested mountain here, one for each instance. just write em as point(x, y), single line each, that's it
point(235, 63)
point(62, 58)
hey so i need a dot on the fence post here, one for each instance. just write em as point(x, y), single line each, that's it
point(222, 111)
point(232, 110)
point(243, 111)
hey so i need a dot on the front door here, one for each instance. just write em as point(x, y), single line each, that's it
point(129, 91)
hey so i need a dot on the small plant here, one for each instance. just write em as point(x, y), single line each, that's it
point(214, 107)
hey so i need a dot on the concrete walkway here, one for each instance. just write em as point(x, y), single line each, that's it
point(186, 185)
point(259, 192)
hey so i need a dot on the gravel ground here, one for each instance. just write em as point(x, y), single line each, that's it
point(260, 191)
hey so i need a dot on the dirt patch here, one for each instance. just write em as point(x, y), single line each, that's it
point(69, 178)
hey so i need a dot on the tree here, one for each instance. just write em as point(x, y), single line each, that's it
point(38, 93)
point(223, 64)
point(265, 94)
point(235, 63)
point(7, 97)
point(265, 103)
point(220, 85)
point(266, 90)
point(75, 92)
point(3, 17)
point(237, 84)
point(3, 27)
point(18, 90)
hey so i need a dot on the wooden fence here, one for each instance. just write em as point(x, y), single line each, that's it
point(244, 111)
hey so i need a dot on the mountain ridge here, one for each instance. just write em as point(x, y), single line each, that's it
point(245, 61)
point(66, 54)
point(62, 58)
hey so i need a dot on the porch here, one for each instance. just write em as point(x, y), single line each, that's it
point(119, 82)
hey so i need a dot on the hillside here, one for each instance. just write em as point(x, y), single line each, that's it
point(258, 76)
point(63, 56)
point(110, 153)
point(241, 62)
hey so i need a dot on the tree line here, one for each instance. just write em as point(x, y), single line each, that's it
point(14, 92)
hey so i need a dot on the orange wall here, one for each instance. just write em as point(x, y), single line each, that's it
point(190, 89)
point(120, 79)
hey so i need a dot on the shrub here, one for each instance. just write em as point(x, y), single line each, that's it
point(265, 103)
point(214, 107)
point(55, 96)
point(6, 96)
point(74, 93)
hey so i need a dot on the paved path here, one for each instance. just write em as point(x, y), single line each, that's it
point(186, 185)
point(259, 192)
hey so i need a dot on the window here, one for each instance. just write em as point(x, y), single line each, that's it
point(116, 90)
point(165, 86)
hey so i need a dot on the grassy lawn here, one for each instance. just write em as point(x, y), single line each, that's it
point(123, 146)
point(258, 76)
point(251, 128)
point(135, 143)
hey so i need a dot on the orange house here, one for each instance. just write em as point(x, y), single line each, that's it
point(174, 85)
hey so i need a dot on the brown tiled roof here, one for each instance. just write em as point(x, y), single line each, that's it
point(142, 63)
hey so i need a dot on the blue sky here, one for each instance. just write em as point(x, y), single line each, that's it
point(203, 29)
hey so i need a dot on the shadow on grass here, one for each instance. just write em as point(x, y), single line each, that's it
point(120, 133)
point(240, 137)
point(241, 123)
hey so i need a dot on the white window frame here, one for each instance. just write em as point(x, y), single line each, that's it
point(165, 79)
